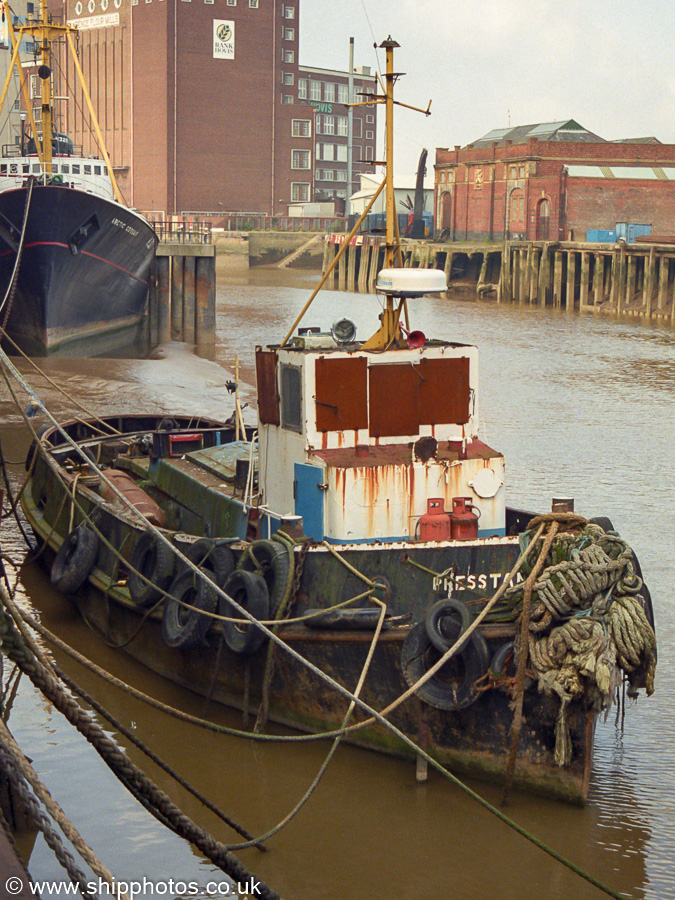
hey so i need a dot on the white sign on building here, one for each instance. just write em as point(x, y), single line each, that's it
point(104, 21)
point(223, 39)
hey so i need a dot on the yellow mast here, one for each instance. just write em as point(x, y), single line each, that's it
point(44, 32)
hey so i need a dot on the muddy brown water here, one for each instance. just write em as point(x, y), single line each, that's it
point(581, 406)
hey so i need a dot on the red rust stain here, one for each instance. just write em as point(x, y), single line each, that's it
point(324, 440)
point(340, 438)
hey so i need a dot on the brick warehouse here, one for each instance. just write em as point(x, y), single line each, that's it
point(553, 181)
point(204, 106)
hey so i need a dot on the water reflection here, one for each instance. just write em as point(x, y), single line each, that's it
point(579, 406)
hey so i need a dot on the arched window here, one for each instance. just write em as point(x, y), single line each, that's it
point(543, 217)
point(517, 211)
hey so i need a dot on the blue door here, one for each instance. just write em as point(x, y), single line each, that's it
point(309, 499)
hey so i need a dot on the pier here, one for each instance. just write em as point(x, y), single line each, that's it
point(182, 299)
point(632, 279)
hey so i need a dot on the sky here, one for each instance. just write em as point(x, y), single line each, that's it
point(486, 64)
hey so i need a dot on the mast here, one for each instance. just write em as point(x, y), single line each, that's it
point(45, 75)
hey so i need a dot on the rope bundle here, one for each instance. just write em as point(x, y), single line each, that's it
point(587, 623)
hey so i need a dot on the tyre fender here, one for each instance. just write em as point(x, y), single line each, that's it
point(185, 628)
point(503, 662)
point(75, 560)
point(272, 560)
point(152, 558)
point(216, 556)
point(250, 591)
point(442, 619)
point(453, 686)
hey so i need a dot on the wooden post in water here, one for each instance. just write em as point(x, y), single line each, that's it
point(505, 277)
point(571, 280)
point(351, 268)
point(557, 279)
point(177, 298)
point(630, 281)
point(448, 266)
point(342, 270)
point(649, 282)
point(599, 279)
point(544, 274)
point(664, 265)
point(524, 275)
point(364, 266)
point(584, 279)
point(619, 281)
point(482, 278)
point(189, 299)
point(205, 306)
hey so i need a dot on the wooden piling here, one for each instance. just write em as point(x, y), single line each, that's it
point(177, 264)
point(571, 281)
point(351, 267)
point(599, 279)
point(631, 278)
point(584, 279)
point(649, 282)
point(364, 264)
point(557, 278)
point(663, 282)
point(205, 306)
point(163, 292)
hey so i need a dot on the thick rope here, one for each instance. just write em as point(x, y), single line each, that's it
point(15, 648)
point(28, 773)
point(43, 823)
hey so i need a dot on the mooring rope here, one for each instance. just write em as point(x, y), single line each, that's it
point(28, 773)
point(16, 649)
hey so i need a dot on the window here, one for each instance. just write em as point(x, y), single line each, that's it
point(76, 169)
point(325, 175)
point(327, 151)
point(370, 135)
point(25, 168)
point(301, 128)
point(342, 126)
point(357, 127)
point(513, 172)
point(341, 175)
point(329, 124)
point(299, 191)
point(231, 2)
point(329, 92)
point(287, 99)
point(289, 12)
point(36, 168)
point(369, 152)
point(302, 88)
point(289, 56)
point(30, 9)
point(65, 168)
point(287, 78)
point(315, 90)
point(289, 34)
point(341, 153)
point(370, 119)
point(291, 398)
point(87, 170)
point(97, 170)
point(300, 159)
point(253, 4)
point(343, 93)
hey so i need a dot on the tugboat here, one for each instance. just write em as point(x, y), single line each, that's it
point(357, 543)
point(74, 259)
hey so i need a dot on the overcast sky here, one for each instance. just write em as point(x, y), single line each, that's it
point(487, 63)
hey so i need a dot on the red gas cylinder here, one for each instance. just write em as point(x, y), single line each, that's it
point(435, 523)
point(463, 521)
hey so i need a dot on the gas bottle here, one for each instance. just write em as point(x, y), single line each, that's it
point(463, 521)
point(134, 494)
point(435, 523)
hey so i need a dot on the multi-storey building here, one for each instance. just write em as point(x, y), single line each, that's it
point(200, 103)
point(13, 119)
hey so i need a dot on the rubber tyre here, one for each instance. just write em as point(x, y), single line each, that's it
point(184, 628)
point(436, 622)
point(274, 559)
point(603, 522)
point(418, 655)
point(152, 558)
point(214, 556)
point(498, 665)
point(75, 560)
point(250, 591)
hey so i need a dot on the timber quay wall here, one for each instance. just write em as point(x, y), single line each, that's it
point(631, 279)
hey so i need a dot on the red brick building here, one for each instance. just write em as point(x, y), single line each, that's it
point(553, 181)
point(201, 104)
